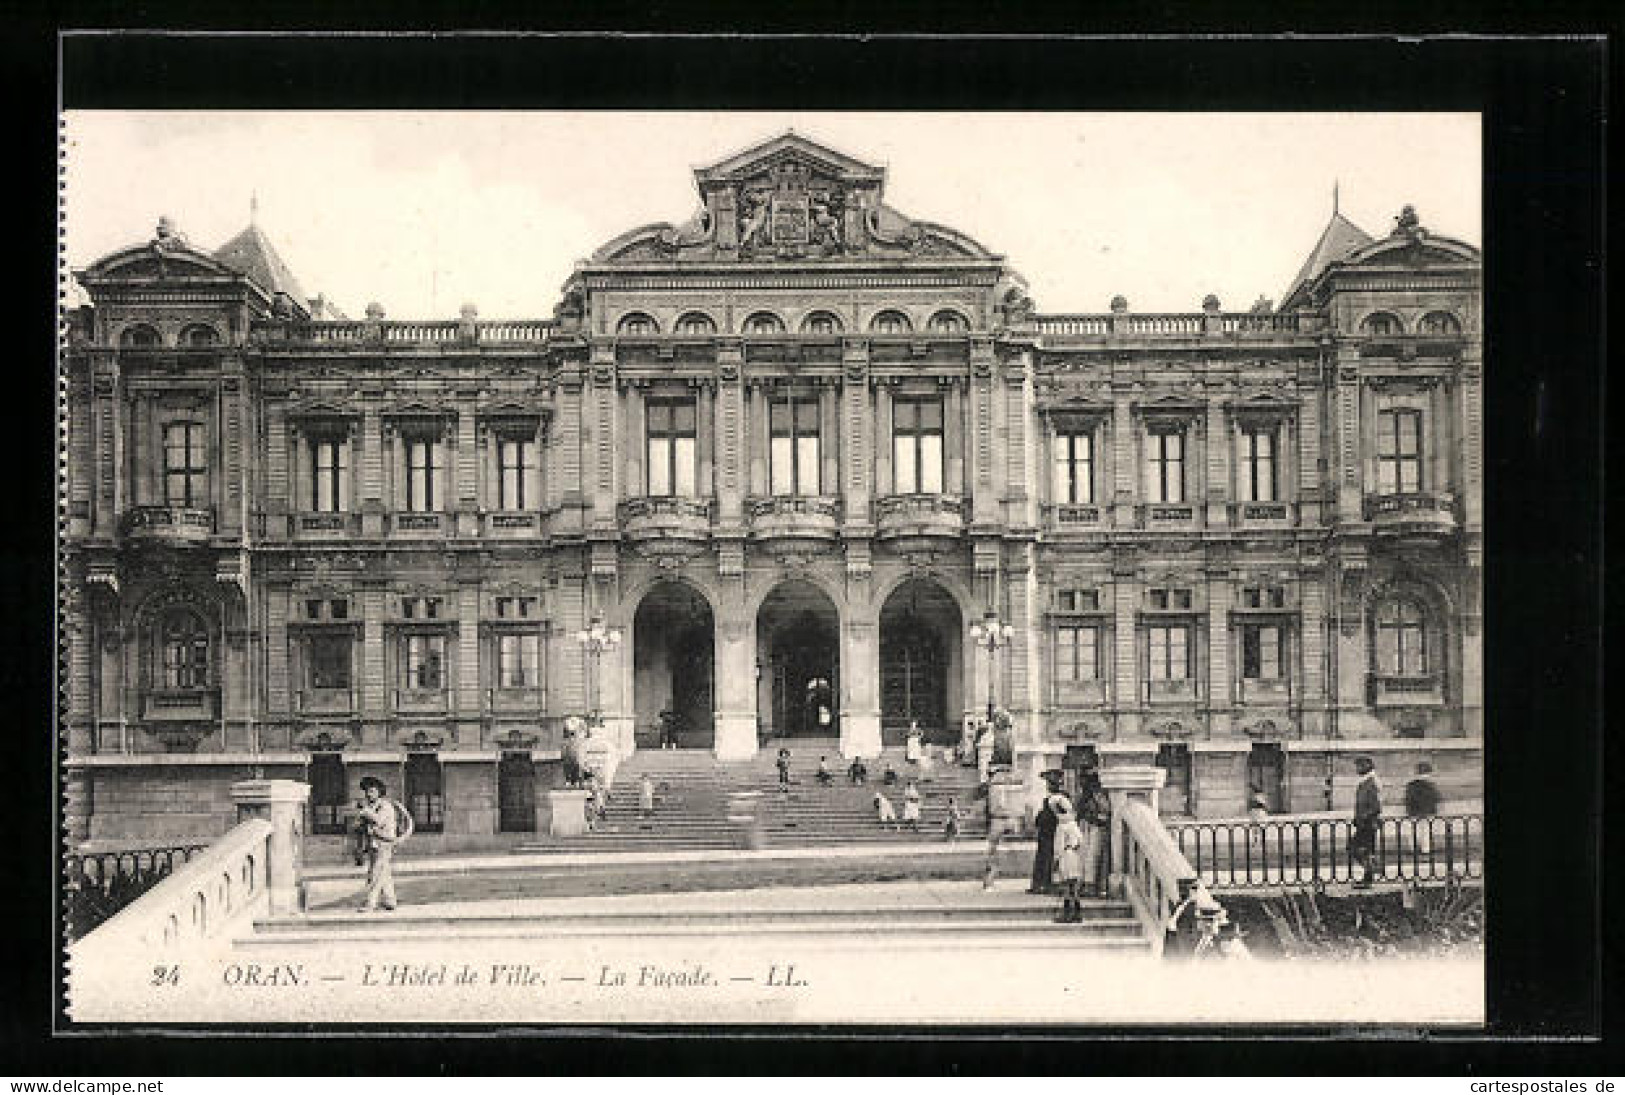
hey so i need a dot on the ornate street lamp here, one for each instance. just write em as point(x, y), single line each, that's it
point(992, 636)
point(594, 640)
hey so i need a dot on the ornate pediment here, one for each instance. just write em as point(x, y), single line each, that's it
point(790, 199)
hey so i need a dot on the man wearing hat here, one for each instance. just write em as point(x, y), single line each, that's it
point(1421, 805)
point(1044, 823)
point(1367, 816)
point(386, 826)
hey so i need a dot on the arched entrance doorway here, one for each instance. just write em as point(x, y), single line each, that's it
point(673, 645)
point(798, 653)
point(921, 663)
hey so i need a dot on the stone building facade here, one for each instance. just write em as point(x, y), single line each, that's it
point(800, 453)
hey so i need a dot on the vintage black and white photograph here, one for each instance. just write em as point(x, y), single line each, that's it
point(772, 568)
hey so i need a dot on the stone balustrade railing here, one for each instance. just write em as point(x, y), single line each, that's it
point(1148, 869)
point(1173, 324)
point(407, 332)
point(212, 895)
point(250, 872)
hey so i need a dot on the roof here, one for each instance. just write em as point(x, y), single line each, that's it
point(1340, 239)
point(251, 253)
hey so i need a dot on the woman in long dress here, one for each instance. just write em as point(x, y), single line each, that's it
point(1069, 852)
point(911, 807)
point(912, 750)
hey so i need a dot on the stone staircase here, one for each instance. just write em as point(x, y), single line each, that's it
point(843, 918)
point(694, 796)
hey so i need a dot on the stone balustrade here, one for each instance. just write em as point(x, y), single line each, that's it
point(1181, 325)
point(405, 332)
point(925, 521)
point(794, 520)
point(1427, 514)
point(169, 524)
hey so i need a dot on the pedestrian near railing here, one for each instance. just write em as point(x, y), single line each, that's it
point(98, 884)
point(1287, 850)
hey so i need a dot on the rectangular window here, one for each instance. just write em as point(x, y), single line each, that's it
point(186, 464)
point(330, 475)
point(1262, 652)
point(1258, 476)
point(420, 475)
point(795, 446)
point(516, 474)
point(186, 659)
point(1074, 468)
point(329, 660)
point(519, 661)
point(1165, 465)
point(1169, 653)
point(1399, 451)
point(672, 451)
point(1077, 653)
point(424, 660)
point(917, 446)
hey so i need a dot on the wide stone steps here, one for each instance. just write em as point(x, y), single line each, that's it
point(1012, 921)
point(695, 795)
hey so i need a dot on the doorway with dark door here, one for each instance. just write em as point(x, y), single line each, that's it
point(798, 648)
point(673, 652)
point(920, 666)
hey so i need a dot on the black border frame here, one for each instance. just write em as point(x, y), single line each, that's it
point(1543, 103)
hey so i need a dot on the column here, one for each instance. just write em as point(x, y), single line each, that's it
point(860, 689)
point(281, 802)
point(279, 687)
point(1220, 687)
point(1309, 676)
point(954, 438)
point(1216, 486)
point(757, 426)
point(1125, 783)
point(374, 684)
point(736, 680)
point(732, 467)
point(1441, 444)
point(1125, 467)
point(632, 431)
point(277, 472)
point(467, 473)
point(856, 426)
point(1127, 695)
point(1348, 462)
point(884, 483)
point(829, 442)
point(705, 441)
point(467, 698)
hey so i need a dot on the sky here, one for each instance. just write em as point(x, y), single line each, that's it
point(424, 211)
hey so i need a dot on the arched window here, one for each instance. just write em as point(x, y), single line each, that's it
point(1381, 323)
point(1439, 323)
point(140, 337)
point(200, 334)
point(820, 323)
point(636, 325)
point(696, 323)
point(764, 323)
point(184, 650)
point(948, 322)
point(890, 323)
point(1402, 647)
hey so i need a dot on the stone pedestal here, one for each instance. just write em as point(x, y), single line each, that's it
point(1125, 783)
point(735, 736)
point(282, 803)
point(568, 812)
point(860, 734)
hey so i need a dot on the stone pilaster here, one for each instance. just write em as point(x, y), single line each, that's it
point(860, 691)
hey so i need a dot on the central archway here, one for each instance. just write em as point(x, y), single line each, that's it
point(673, 644)
point(798, 685)
point(921, 668)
